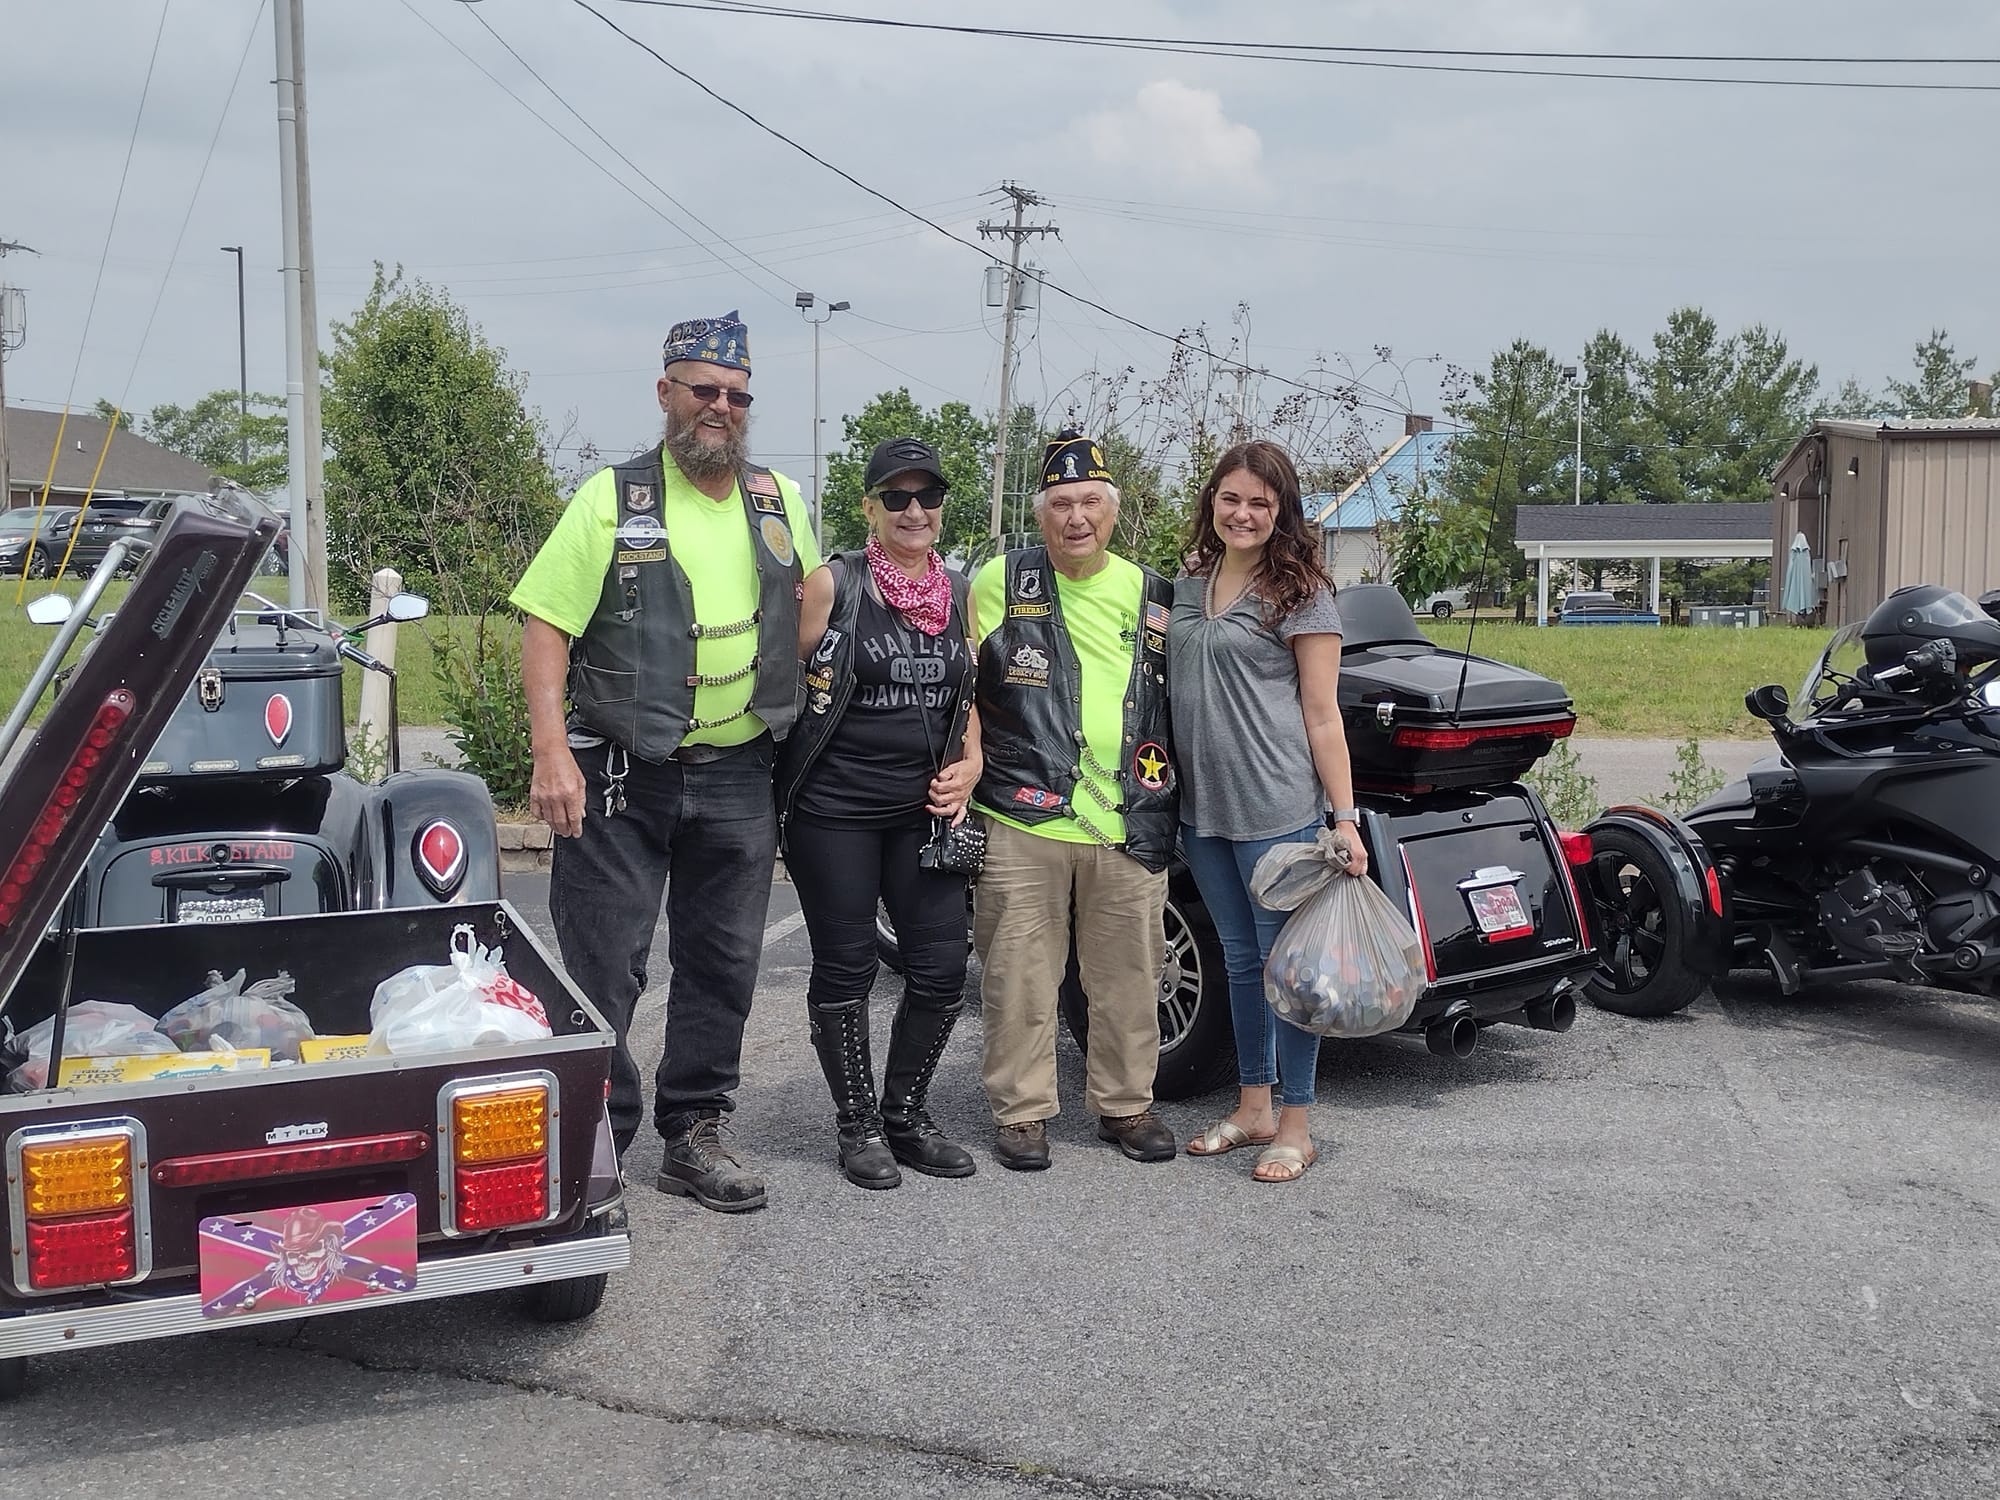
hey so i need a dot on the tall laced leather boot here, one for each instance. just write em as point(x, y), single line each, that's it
point(915, 1045)
point(840, 1037)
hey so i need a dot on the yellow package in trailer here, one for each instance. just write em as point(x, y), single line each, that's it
point(146, 1066)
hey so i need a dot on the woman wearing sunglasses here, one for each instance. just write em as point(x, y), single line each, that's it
point(880, 764)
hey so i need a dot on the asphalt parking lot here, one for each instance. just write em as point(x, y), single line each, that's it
point(1745, 1251)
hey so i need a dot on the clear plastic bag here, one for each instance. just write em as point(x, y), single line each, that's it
point(230, 1016)
point(1346, 963)
point(469, 1002)
point(94, 1028)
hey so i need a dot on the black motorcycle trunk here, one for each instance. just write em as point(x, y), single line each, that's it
point(267, 704)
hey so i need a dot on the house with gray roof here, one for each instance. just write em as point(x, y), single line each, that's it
point(130, 466)
point(1556, 532)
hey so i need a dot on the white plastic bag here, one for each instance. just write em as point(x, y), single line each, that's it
point(469, 1002)
point(95, 1028)
point(1346, 962)
point(228, 1016)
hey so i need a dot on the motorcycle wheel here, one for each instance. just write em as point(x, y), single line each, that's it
point(1643, 931)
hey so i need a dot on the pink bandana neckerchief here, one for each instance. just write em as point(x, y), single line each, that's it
point(925, 601)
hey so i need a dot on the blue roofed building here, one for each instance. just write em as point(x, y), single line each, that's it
point(1357, 524)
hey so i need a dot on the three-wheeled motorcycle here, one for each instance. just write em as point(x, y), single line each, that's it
point(147, 1196)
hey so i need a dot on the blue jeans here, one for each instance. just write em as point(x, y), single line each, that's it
point(1269, 1049)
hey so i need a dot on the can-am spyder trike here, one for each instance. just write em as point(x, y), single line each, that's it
point(1867, 848)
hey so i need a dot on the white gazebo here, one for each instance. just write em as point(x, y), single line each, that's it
point(1632, 533)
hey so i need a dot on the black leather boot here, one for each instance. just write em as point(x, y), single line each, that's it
point(915, 1045)
point(840, 1036)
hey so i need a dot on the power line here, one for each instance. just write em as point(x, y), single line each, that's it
point(987, 255)
point(1394, 58)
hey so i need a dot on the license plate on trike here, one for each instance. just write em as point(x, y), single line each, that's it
point(309, 1255)
point(1499, 911)
point(196, 910)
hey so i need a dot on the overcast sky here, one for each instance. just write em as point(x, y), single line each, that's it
point(1436, 213)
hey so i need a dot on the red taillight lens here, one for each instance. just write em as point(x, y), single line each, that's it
point(96, 750)
point(1412, 737)
point(1417, 919)
point(278, 1161)
point(1714, 890)
point(81, 1252)
point(1577, 848)
point(503, 1196)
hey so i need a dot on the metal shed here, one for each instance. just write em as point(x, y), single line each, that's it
point(1568, 533)
point(1882, 504)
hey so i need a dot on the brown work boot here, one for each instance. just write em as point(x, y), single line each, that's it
point(1143, 1137)
point(700, 1165)
point(1023, 1147)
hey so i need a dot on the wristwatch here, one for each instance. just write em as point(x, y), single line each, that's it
point(1344, 815)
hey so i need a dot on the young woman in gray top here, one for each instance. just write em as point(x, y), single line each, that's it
point(1253, 650)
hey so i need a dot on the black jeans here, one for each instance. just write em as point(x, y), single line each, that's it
point(714, 827)
point(840, 873)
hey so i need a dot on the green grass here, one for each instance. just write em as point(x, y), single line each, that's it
point(1645, 681)
point(1627, 680)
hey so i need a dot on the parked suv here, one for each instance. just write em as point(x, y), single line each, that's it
point(40, 545)
point(112, 517)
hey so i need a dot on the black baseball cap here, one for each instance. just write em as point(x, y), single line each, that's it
point(899, 455)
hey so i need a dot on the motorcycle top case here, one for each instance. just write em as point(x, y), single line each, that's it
point(1410, 725)
point(258, 708)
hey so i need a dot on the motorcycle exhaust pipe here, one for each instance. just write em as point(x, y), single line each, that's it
point(1455, 1036)
point(1556, 1013)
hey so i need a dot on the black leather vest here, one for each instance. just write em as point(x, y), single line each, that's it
point(1031, 713)
point(829, 681)
point(634, 670)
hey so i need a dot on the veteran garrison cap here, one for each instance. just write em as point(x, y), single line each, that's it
point(1070, 456)
point(716, 341)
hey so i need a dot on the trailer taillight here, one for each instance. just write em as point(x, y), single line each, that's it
point(97, 749)
point(498, 1165)
point(77, 1214)
point(288, 1161)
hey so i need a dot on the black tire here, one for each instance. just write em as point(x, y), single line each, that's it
point(568, 1301)
point(38, 564)
point(1643, 930)
point(887, 946)
point(13, 1375)
point(1441, 610)
point(1197, 1045)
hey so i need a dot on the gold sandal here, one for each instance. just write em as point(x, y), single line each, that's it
point(1223, 1137)
point(1284, 1156)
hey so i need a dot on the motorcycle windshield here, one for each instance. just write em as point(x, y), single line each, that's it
point(1843, 656)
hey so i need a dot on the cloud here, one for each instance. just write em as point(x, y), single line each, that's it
point(1176, 132)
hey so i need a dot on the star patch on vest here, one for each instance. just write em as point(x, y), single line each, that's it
point(777, 540)
point(1149, 765)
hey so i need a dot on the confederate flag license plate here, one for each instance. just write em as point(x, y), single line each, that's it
point(283, 1260)
point(1498, 911)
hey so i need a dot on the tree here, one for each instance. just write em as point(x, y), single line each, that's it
point(105, 411)
point(1437, 544)
point(212, 431)
point(1769, 401)
point(438, 467)
point(1613, 462)
point(1852, 402)
point(1515, 449)
point(964, 446)
point(1943, 384)
point(1683, 422)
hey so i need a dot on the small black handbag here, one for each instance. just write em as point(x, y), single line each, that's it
point(957, 850)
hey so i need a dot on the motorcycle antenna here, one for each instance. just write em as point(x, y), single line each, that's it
point(1486, 543)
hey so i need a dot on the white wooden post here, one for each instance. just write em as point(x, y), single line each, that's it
point(1541, 585)
point(1656, 583)
point(380, 644)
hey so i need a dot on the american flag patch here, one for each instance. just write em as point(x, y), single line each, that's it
point(1156, 617)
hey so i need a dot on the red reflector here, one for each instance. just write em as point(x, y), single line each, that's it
point(503, 1196)
point(1714, 890)
point(440, 852)
point(1577, 849)
point(17, 885)
point(1411, 737)
point(81, 1252)
point(279, 1161)
point(1417, 913)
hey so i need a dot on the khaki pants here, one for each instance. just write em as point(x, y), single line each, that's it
point(1021, 926)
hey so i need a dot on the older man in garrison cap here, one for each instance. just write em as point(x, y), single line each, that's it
point(1080, 798)
point(660, 661)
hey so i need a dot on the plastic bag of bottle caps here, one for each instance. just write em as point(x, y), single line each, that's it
point(237, 1016)
point(1346, 963)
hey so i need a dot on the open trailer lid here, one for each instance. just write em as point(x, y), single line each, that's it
point(83, 759)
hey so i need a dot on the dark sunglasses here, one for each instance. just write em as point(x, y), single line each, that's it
point(706, 393)
point(930, 497)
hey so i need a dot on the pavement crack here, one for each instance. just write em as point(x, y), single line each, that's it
point(1044, 1479)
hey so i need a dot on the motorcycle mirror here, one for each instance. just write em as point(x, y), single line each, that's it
point(49, 609)
point(1990, 602)
point(1990, 694)
point(1769, 702)
point(407, 607)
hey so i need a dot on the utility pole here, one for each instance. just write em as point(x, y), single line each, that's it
point(307, 559)
point(309, 311)
point(804, 302)
point(13, 334)
point(1239, 430)
point(1015, 233)
point(1577, 376)
point(242, 361)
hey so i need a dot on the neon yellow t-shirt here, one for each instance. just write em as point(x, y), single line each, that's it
point(1101, 614)
point(710, 541)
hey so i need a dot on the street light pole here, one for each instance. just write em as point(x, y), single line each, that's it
point(805, 302)
point(242, 362)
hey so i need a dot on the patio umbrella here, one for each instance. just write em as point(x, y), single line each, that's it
point(1798, 594)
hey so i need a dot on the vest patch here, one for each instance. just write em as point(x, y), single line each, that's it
point(1149, 765)
point(1034, 796)
point(1156, 617)
point(1028, 584)
point(763, 484)
point(1156, 643)
point(1027, 611)
point(642, 533)
point(769, 505)
point(1028, 667)
point(639, 497)
point(658, 555)
point(777, 540)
